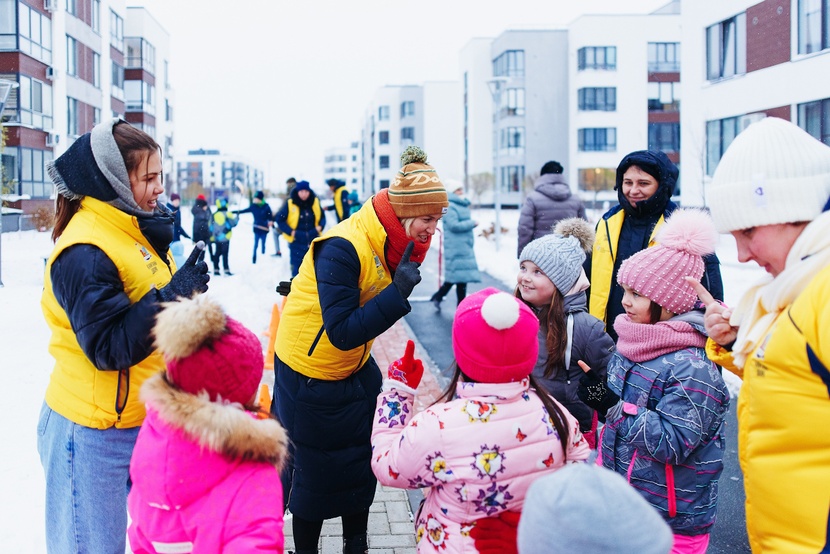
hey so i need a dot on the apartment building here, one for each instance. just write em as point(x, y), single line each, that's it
point(745, 60)
point(75, 63)
point(624, 94)
point(217, 175)
point(344, 164)
point(476, 66)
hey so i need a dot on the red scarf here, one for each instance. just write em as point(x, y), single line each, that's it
point(397, 237)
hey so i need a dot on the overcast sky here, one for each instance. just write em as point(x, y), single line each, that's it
point(280, 81)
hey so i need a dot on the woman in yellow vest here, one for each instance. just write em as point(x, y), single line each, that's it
point(301, 220)
point(771, 191)
point(353, 286)
point(104, 283)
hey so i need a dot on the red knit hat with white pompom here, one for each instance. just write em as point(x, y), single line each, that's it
point(494, 337)
point(658, 272)
point(206, 350)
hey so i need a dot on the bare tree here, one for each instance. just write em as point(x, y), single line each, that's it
point(479, 184)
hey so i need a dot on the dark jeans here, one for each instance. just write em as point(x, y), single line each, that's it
point(460, 291)
point(259, 237)
point(220, 250)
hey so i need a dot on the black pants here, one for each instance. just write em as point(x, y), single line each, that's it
point(460, 291)
point(220, 250)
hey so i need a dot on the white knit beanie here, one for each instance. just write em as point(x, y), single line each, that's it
point(773, 172)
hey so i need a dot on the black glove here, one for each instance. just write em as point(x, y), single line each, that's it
point(284, 287)
point(192, 277)
point(595, 393)
point(407, 275)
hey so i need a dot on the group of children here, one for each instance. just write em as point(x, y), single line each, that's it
point(535, 376)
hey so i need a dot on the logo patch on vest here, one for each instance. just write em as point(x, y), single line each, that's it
point(144, 252)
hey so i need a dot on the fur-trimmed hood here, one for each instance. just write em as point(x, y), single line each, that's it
point(189, 448)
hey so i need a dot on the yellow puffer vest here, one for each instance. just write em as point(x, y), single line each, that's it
point(301, 341)
point(602, 261)
point(783, 411)
point(341, 194)
point(78, 390)
point(293, 217)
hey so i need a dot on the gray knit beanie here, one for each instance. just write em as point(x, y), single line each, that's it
point(561, 254)
point(588, 509)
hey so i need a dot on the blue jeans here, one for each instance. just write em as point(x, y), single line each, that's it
point(87, 481)
point(259, 237)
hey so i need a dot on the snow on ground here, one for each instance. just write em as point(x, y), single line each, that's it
point(247, 296)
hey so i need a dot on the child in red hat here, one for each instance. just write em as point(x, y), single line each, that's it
point(205, 468)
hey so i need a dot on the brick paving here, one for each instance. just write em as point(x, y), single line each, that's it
point(391, 528)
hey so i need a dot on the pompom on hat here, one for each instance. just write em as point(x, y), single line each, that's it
point(494, 337)
point(560, 255)
point(773, 172)
point(417, 190)
point(205, 350)
point(658, 272)
point(588, 509)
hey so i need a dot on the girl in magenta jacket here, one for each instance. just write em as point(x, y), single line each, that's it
point(205, 468)
point(477, 453)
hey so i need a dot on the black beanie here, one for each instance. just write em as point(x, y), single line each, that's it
point(551, 167)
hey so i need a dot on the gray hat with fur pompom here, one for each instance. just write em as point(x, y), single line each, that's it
point(561, 254)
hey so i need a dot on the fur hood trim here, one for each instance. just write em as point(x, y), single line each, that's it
point(224, 428)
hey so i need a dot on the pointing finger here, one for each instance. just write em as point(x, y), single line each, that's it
point(701, 291)
point(198, 250)
point(407, 252)
point(409, 354)
point(585, 367)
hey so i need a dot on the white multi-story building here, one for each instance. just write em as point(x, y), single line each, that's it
point(344, 164)
point(76, 63)
point(744, 60)
point(216, 175)
point(476, 66)
point(427, 115)
point(624, 94)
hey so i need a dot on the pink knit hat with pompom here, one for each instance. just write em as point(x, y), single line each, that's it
point(205, 350)
point(658, 272)
point(494, 337)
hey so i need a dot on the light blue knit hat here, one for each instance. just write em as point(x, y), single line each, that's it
point(560, 255)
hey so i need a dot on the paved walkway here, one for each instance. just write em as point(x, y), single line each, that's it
point(391, 527)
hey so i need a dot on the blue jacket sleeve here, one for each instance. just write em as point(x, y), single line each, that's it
point(711, 276)
point(281, 219)
point(114, 333)
point(347, 323)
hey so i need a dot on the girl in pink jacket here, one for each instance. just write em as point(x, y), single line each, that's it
point(205, 469)
point(477, 453)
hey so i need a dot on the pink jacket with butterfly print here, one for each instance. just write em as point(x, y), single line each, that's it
point(475, 456)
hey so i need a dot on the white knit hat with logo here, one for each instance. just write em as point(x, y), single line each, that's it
point(773, 172)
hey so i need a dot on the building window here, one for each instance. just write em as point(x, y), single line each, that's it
point(71, 56)
point(719, 135)
point(726, 48)
point(140, 54)
point(510, 63)
point(512, 140)
point(96, 116)
point(383, 162)
point(383, 137)
point(664, 97)
point(664, 136)
point(408, 134)
point(664, 57)
point(384, 183)
point(597, 57)
point(603, 139)
point(117, 89)
point(35, 31)
point(139, 96)
point(35, 100)
point(813, 25)
point(383, 113)
point(34, 181)
point(116, 31)
point(96, 16)
point(512, 177)
point(597, 178)
point(73, 122)
point(407, 108)
point(814, 117)
point(96, 70)
point(513, 102)
point(72, 7)
point(168, 110)
point(602, 99)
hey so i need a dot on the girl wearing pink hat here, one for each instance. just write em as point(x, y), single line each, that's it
point(665, 399)
point(477, 452)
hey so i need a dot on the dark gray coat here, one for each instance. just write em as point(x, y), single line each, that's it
point(591, 344)
point(550, 202)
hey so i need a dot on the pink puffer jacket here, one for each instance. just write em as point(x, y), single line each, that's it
point(476, 456)
point(192, 491)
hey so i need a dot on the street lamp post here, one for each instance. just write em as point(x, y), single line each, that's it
point(497, 86)
point(5, 88)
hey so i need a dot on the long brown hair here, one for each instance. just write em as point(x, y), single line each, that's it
point(552, 320)
point(135, 146)
point(557, 417)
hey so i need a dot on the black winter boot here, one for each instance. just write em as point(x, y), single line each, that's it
point(356, 545)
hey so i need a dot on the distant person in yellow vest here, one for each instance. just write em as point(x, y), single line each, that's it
point(105, 281)
point(221, 224)
point(354, 287)
point(340, 195)
point(301, 220)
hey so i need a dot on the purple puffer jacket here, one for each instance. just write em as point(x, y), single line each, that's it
point(205, 477)
point(476, 456)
